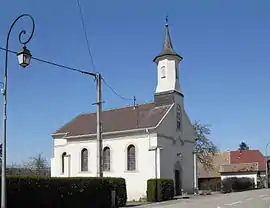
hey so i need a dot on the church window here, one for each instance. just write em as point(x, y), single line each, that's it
point(178, 117)
point(163, 72)
point(106, 159)
point(63, 161)
point(131, 157)
point(84, 160)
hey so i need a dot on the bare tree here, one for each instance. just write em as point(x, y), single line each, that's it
point(37, 163)
point(204, 148)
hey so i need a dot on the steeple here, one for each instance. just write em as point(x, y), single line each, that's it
point(167, 46)
point(168, 87)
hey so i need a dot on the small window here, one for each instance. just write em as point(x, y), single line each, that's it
point(178, 117)
point(106, 159)
point(63, 161)
point(163, 72)
point(84, 160)
point(176, 73)
point(131, 158)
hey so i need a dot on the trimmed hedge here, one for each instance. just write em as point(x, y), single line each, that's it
point(45, 192)
point(235, 184)
point(165, 189)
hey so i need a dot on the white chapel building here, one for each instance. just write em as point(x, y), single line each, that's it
point(129, 133)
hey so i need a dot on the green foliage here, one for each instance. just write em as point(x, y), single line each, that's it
point(204, 148)
point(45, 192)
point(211, 184)
point(165, 189)
point(243, 146)
point(235, 184)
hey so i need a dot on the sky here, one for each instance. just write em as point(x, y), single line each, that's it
point(224, 75)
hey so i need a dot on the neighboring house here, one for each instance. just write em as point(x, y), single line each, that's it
point(128, 134)
point(208, 175)
point(239, 163)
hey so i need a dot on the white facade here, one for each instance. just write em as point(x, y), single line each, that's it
point(174, 134)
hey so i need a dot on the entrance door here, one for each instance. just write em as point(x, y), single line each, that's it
point(177, 182)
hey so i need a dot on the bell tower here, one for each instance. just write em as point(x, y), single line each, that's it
point(168, 73)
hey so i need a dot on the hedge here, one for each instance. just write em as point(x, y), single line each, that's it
point(235, 184)
point(45, 192)
point(165, 189)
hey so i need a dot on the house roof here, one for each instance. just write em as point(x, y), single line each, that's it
point(233, 160)
point(119, 119)
point(219, 159)
point(241, 167)
point(248, 156)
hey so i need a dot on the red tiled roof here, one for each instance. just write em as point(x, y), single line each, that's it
point(248, 156)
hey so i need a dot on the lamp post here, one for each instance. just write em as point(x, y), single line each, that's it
point(156, 183)
point(24, 57)
point(266, 166)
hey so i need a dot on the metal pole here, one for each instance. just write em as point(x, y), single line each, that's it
point(195, 172)
point(99, 136)
point(156, 182)
point(266, 166)
point(4, 92)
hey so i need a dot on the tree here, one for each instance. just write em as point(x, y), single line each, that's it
point(37, 163)
point(204, 148)
point(243, 146)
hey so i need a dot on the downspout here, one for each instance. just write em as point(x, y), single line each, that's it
point(149, 139)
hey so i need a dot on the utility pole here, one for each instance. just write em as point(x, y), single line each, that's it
point(99, 131)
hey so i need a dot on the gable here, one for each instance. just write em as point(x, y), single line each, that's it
point(119, 119)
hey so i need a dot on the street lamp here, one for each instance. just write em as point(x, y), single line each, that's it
point(156, 183)
point(24, 57)
point(266, 166)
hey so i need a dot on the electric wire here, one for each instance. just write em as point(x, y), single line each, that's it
point(85, 35)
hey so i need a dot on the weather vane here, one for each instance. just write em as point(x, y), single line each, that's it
point(166, 19)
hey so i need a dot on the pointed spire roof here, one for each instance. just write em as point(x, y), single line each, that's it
point(167, 46)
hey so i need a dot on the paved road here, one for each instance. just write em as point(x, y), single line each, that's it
point(247, 199)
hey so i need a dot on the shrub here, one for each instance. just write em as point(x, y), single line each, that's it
point(45, 192)
point(165, 189)
point(211, 184)
point(235, 184)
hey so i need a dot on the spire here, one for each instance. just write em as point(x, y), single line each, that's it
point(167, 46)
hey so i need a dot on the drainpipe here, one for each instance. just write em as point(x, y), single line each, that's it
point(149, 139)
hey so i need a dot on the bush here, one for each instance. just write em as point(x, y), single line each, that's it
point(235, 184)
point(211, 184)
point(45, 192)
point(165, 189)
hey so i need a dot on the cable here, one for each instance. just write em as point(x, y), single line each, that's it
point(55, 64)
point(85, 34)
point(117, 94)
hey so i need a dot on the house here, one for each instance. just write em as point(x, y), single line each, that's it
point(129, 133)
point(239, 163)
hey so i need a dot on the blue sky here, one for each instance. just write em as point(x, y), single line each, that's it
point(224, 75)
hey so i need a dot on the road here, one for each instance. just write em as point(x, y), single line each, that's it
point(248, 199)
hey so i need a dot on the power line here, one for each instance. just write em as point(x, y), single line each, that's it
point(114, 91)
point(85, 35)
point(54, 64)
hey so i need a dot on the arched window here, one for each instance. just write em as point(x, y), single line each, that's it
point(131, 157)
point(106, 159)
point(84, 160)
point(63, 161)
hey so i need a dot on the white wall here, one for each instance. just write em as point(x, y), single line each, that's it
point(135, 181)
point(241, 175)
point(169, 139)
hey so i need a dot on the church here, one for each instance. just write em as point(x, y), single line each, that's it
point(139, 142)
